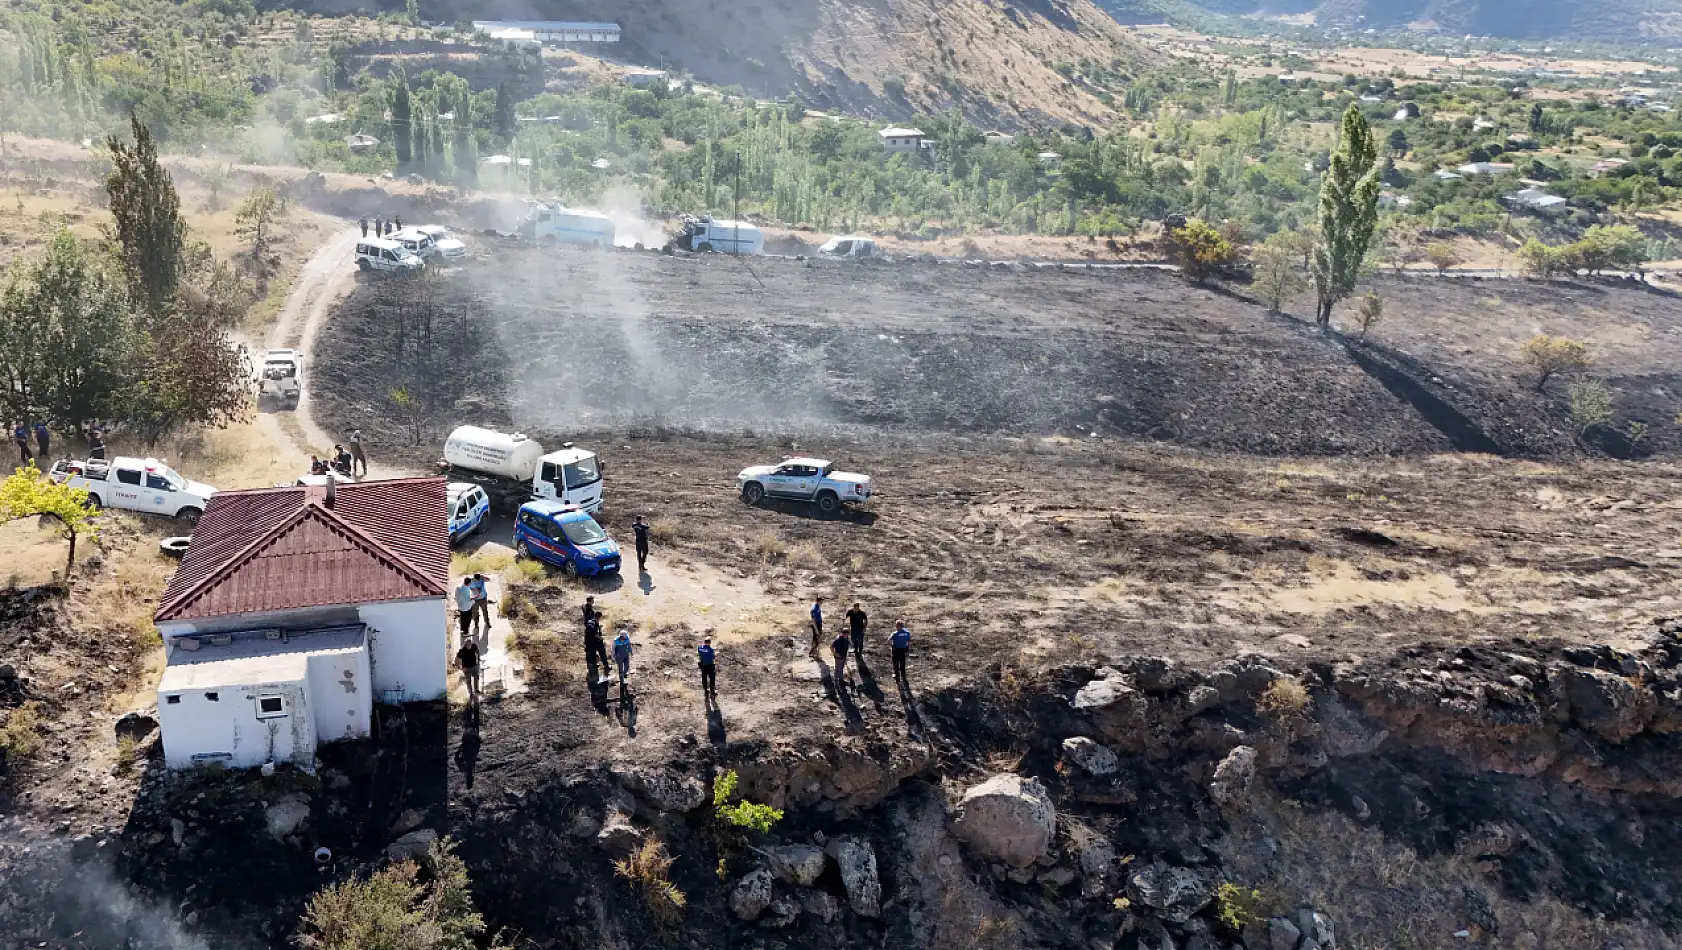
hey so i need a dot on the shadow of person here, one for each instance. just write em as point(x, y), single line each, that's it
point(645, 583)
point(628, 710)
point(715, 721)
point(867, 683)
point(836, 689)
point(467, 753)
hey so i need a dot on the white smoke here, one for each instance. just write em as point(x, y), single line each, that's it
point(623, 203)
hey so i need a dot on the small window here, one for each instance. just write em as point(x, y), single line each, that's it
point(269, 707)
point(128, 476)
point(172, 700)
point(156, 482)
point(213, 697)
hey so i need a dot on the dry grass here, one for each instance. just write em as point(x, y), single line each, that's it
point(649, 871)
point(20, 732)
point(1284, 696)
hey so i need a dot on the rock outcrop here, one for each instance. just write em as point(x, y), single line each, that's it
point(1009, 818)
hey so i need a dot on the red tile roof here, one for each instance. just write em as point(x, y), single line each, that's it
point(282, 548)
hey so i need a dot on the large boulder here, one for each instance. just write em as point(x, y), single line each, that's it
point(412, 846)
point(857, 862)
point(1110, 694)
point(664, 789)
point(1175, 893)
point(1604, 703)
point(617, 836)
point(1091, 757)
point(1233, 776)
point(799, 864)
point(1009, 818)
point(284, 818)
point(751, 895)
point(1096, 858)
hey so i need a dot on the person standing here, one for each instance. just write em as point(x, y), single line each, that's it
point(20, 435)
point(356, 454)
point(839, 647)
point(364, 222)
point(817, 626)
point(622, 656)
point(641, 528)
point(595, 651)
point(464, 609)
point(481, 604)
point(468, 658)
point(378, 224)
point(857, 620)
point(399, 222)
point(96, 443)
point(44, 439)
point(590, 611)
point(708, 657)
point(901, 643)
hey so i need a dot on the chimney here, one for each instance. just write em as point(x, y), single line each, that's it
point(332, 492)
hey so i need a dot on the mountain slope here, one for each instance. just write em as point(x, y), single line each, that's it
point(993, 60)
point(1588, 20)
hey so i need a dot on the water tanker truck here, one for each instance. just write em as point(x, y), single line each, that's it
point(513, 469)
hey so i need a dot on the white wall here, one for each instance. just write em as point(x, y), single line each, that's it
point(409, 644)
point(197, 731)
point(304, 618)
point(341, 695)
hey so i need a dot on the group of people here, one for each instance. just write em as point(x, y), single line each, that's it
point(852, 640)
point(343, 460)
point(35, 441)
point(595, 648)
point(382, 226)
point(473, 612)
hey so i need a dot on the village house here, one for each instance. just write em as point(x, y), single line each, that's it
point(537, 32)
point(294, 611)
point(1606, 165)
point(1535, 199)
point(1485, 168)
point(901, 140)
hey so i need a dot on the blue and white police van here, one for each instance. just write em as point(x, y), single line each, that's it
point(470, 507)
point(564, 536)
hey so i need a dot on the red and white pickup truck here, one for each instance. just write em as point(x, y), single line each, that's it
point(145, 485)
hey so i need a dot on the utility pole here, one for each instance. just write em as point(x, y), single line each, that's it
point(736, 209)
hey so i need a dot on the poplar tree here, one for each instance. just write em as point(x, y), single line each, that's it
point(402, 118)
point(1348, 214)
point(147, 213)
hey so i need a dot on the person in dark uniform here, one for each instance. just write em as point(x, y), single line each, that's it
point(590, 611)
point(708, 656)
point(21, 436)
point(839, 647)
point(468, 657)
point(96, 443)
point(817, 626)
point(364, 222)
point(857, 620)
point(398, 222)
point(901, 642)
point(44, 439)
point(595, 650)
point(641, 528)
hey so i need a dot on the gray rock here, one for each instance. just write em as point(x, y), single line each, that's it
point(406, 822)
point(799, 864)
point(664, 789)
point(1058, 877)
point(1095, 857)
point(284, 818)
point(619, 839)
point(1317, 927)
point(1282, 934)
point(857, 862)
point(1094, 758)
point(412, 846)
point(1175, 893)
point(820, 904)
point(1233, 776)
point(584, 825)
point(1007, 817)
point(783, 913)
point(751, 895)
point(1110, 692)
point(177, 831)
point(1201, 698)
point(1604, 703)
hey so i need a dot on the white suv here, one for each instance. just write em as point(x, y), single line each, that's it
point(443, 243)
point(386, 255)
point(803, 479)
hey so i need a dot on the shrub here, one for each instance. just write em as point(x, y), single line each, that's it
point(1235, 906)
point(396, 909)
point(1552, 355)
point(1369, 313)
point(1201, 249)
point(20, 733)
point(743, 814)
point(1275, 275)
point(1591, 405)
point(1442, 256)
point(1284, 695)
point(649, 870)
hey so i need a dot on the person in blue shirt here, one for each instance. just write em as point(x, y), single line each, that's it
point(622, 656)
point(21, 436)
point(901, 642)
point(44, 439)
point(817, 626)
point(481, 603)
point(707, 656)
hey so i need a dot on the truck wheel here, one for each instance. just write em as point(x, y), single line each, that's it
point(520, 550)
point(705, 247)
point(753, 493)
point(364, 265)
point(189, 514)
point(95, 503)
point(828, 502)
point(569, 567)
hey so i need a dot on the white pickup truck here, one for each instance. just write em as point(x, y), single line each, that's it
point(280, 379)
point(145, 485)
point(803, 479)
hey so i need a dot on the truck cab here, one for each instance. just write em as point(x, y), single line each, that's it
point(572, 476)
point(566, 537)
point(132, 484)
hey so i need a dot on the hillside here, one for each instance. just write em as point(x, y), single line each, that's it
point(994, 60)
point(1610, 21)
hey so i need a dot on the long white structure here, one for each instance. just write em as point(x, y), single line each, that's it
point(547, 31)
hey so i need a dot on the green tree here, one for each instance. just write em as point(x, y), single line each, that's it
point(26, 493)
point(147, 213)
point(1348, 214)
point(826, 141)
point(193, 375)
point(1202, 250)
point(402, 118)
point(1398, 142)
point(435, 149)
point(1539, 259)
point(1551, 355)
point(397, 908)
point(1274, 274)
point(69, 341)
point(254, 220)
point(504, 115)
point(1590, 405)
point(465, 148)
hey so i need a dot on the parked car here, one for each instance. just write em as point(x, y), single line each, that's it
point(132, 484)
point(566, 537)
point(448, 245)
point(430, 243)
point(382, 254)
point(849, 245)
point(280, 380)
point(803, 479)
point(469, 507)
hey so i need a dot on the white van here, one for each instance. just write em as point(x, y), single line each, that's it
point(551, 223)
point(725, 237)
point(849, 245)
point(383, 254)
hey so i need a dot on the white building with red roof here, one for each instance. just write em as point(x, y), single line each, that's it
point(294, 611)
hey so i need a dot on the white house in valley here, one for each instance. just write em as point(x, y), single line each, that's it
point(901, 140)
point(294, 611)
